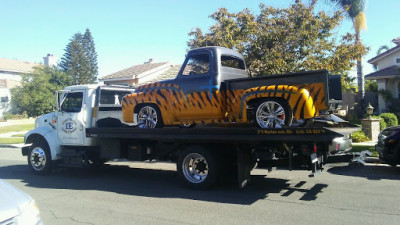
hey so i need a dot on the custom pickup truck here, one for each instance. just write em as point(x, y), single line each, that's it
point(213, 87)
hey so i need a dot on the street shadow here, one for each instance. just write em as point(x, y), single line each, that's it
point(371, 171)
point(157, 184)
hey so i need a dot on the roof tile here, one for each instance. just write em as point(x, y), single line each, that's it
point(12, 65)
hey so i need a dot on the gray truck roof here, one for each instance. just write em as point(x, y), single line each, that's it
point(218, 51)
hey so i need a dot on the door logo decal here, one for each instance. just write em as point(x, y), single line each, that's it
point(69, 126)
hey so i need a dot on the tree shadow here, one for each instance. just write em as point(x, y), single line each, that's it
point(156, 184)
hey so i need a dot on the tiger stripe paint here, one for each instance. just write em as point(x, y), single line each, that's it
point(178, 108)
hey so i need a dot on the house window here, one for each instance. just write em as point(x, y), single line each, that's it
point(397, 60)
point(4, 99)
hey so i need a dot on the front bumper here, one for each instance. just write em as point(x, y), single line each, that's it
point(25, 149)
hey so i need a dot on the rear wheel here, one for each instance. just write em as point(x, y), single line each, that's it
point(273, 113)
point(39, 158)
point(197, 168)
point(149, 116)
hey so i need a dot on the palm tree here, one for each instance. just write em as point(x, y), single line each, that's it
point(355, 11)
point(381, 49)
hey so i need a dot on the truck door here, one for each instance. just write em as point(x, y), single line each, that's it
point(197, 81)
point(71, 123)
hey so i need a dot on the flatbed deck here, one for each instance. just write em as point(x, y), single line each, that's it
point(217, 134)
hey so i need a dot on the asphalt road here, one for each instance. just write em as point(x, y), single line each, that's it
point(137, 193)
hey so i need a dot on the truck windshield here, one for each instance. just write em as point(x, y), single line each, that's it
point(197, 64)
point(72, 102)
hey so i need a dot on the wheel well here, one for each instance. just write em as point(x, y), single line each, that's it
point(253, 102)
point(36, 138)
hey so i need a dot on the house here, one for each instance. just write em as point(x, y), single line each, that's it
point(10, 77)
point(388, 77)
point(149, 71)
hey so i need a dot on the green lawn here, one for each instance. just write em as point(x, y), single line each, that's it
point(359, 148)
point(17, 138)
point(15, 128)
point(13, 140)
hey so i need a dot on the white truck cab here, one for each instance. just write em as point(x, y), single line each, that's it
point(78, 107)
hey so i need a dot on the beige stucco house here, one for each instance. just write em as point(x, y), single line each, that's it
point(10, 76)
point(388, 77)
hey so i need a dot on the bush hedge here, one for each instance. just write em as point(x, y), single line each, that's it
point(390, 119)
point(359, 136)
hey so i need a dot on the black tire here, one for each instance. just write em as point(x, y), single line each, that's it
point(39, 158)
point(187, 125)
point(197, 168)
point(154, 119)
point(271, 119)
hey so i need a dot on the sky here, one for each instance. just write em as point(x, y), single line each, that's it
point(129, 32)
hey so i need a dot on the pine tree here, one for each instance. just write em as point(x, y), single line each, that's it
point(80, 59)
point(91, 55)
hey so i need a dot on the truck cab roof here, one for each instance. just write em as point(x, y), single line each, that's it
point(217, 50)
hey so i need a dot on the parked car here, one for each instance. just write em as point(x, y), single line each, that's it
point(16, 207)
point(340, 145)
point(388, 145)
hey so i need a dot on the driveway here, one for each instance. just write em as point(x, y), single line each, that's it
point(139, 193)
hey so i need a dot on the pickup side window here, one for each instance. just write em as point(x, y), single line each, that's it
point(197, 64)
point(232, 62)
point(72, 102)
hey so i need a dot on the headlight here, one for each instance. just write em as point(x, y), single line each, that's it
point(30, 214)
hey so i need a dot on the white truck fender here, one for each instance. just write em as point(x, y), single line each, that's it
point(49, 135)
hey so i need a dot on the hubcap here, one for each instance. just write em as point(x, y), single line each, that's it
point(38, 158)
point(270, 114)
point(147, 117)
point(195, 168)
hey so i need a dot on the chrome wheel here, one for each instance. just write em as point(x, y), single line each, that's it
point(38, 159)
point(270, 114)
point(147, 117)
point(195, 168)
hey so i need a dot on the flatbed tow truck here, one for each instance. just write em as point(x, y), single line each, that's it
point(87, 129)
point(94, 124)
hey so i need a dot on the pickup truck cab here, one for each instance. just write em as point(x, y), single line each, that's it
point(213, 87)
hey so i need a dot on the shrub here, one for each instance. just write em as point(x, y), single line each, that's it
point(390, 119)
point(10, 116)
point(359, 136)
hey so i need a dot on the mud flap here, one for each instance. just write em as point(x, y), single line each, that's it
point(315, 165)
point(244, 167)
